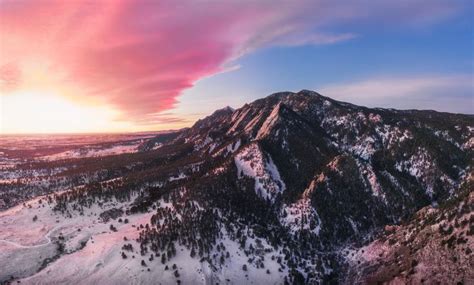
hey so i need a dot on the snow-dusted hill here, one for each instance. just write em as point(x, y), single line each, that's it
point(435, 247)
point(294, 188)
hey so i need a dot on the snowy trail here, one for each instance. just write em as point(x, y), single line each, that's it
point(47, 236)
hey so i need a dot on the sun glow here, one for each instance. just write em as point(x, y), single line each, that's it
point(46, 112)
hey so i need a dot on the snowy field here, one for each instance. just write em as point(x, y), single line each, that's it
point(50, 147)
point(40, 246)
point(95, 151)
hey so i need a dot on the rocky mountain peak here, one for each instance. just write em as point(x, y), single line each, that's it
point(217, 115)
point(309, 177)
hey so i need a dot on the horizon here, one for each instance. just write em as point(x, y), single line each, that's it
point(147, 66)
point(205, 115)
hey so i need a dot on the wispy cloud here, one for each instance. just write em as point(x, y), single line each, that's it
point(140, 55)
point(443, 93)
point(10, 77)
point(162, 118)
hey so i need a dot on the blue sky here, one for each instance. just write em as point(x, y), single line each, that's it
point(433, 63)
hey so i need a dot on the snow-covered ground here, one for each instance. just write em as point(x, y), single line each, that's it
point(30, 236)
point(252, 162)
point(29, 251)
point(301, 215)
point(94, 152)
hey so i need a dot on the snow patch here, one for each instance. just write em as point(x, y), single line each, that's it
point(252, 162)
point(419, 165)
point(301, 215)
point(179, 177)
point(93, 152)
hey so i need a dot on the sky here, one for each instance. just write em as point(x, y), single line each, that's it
point(120, 66)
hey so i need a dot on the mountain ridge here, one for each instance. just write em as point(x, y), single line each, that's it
point(395, 162)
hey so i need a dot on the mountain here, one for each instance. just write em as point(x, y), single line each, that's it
point(324, 173)
point(294, 188)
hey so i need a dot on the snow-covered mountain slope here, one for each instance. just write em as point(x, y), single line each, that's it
point(276, 192)
point(252, 162)
point(83, 248)
point(435, 247)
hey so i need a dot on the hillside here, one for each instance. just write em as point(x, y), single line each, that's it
point(294, 188)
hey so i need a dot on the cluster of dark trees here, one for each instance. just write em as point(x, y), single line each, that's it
point(205, 207)
point(193, 228)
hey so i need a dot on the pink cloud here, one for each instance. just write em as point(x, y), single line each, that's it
point(10, 77)
point(140, 55)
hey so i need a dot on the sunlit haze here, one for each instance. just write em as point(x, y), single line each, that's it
point(36, 112)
